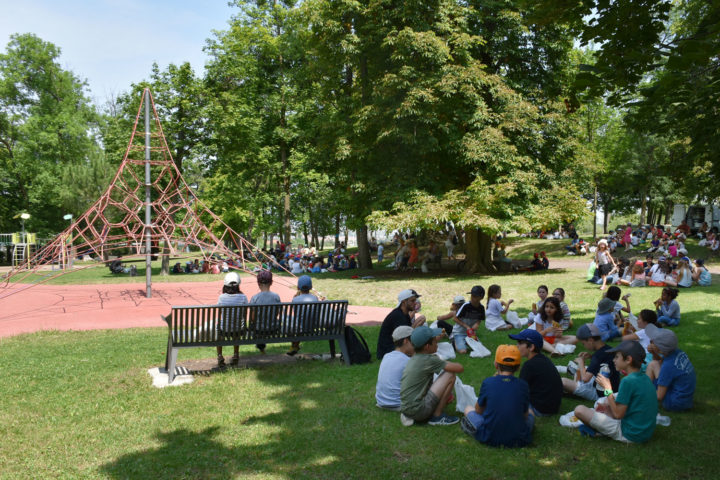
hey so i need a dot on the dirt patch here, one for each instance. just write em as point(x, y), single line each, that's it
point(206, 366)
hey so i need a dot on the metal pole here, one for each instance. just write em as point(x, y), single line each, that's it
point(148, 220)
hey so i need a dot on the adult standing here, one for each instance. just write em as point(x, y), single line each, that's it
point(402, 314)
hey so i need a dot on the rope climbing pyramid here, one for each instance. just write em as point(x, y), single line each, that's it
point(117, 223)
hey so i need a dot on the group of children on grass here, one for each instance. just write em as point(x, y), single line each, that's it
point(605, 270)
point(625, 383)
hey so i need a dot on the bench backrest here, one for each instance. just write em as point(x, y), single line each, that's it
point(199, 325)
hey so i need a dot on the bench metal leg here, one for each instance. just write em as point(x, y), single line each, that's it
point(344, 350)
point(332, 349)
point(171, 364)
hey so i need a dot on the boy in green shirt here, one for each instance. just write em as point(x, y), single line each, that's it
point(421, 398)
point(629, 416)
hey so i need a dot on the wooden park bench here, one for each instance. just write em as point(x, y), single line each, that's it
point(197, 326)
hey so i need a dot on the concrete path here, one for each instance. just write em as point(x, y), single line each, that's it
point(112, 306)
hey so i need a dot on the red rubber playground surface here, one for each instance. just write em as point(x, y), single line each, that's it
point(115, 306)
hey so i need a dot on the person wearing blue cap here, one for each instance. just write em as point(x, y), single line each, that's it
point(546, 387)
point(303, 295)
point(421, 399)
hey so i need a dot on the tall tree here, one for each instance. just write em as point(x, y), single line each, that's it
point(433, 133)
point(253, 80)
point(46, 128)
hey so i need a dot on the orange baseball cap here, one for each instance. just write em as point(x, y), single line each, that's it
point(507, 355)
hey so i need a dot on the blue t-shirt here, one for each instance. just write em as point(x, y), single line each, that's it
point(506, 399)
point(678, 375)
point(606, 324)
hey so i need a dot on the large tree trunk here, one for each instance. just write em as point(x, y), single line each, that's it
point(364, 258)
point(478, 250)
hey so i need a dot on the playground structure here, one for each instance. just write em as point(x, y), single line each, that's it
point(18, 247)
point(174, 218)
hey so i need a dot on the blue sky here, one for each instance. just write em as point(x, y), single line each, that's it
point(113, 43)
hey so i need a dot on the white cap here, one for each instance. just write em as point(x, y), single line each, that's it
point(458, 299)
point(405, 294)
point(232, 277)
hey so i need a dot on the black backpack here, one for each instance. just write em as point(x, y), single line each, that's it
point(357, 346)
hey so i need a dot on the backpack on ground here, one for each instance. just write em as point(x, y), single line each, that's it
point(357, 346)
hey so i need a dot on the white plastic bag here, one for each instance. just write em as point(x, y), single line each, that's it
point(570, 420)
point(514, 319)
point(564, 348)
point(465, 395)
point(445, 351)
point(478, 349)
point(633, 320)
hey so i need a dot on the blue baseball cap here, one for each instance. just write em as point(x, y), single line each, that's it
point(305, 282)
point(529, 335)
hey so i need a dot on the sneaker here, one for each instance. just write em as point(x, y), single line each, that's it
point(443, 419)
point(562, 370)
point(467, 427)
point(406, 421)
point(234, 360)
point(221, 361)
point(572, 367)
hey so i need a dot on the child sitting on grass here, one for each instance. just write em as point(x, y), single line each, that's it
point(668, 309)
point(645, 318)
point(584, 382)
point(501, 416)
point(442, 320)
point(630, 415)
point(421, 398)
point(468, 317)
point(546, 388)
point(605, 314)
point(548, 325)
point(670, 371)
point(496, 308)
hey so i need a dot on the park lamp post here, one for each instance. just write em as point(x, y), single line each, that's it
point(23, 216)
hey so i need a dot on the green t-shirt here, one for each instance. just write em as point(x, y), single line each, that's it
point(416, 380)
point(638, 393)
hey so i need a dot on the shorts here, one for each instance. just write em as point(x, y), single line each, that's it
point(656, 284)
point(473, 421)
point(608, 426)
point(426, 410)
point(459, 340)
point(586, 390)
point(550, 340)
point(604, 269)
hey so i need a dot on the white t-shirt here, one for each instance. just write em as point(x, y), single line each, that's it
point(493, 315)
point(656, 274)
point(387, 389)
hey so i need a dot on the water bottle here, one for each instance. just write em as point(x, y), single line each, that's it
point(662, 420)
point(605, 372)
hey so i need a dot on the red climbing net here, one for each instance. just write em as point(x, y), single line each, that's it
point(114, 224)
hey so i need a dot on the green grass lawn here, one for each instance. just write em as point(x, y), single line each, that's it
point(81, 405)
